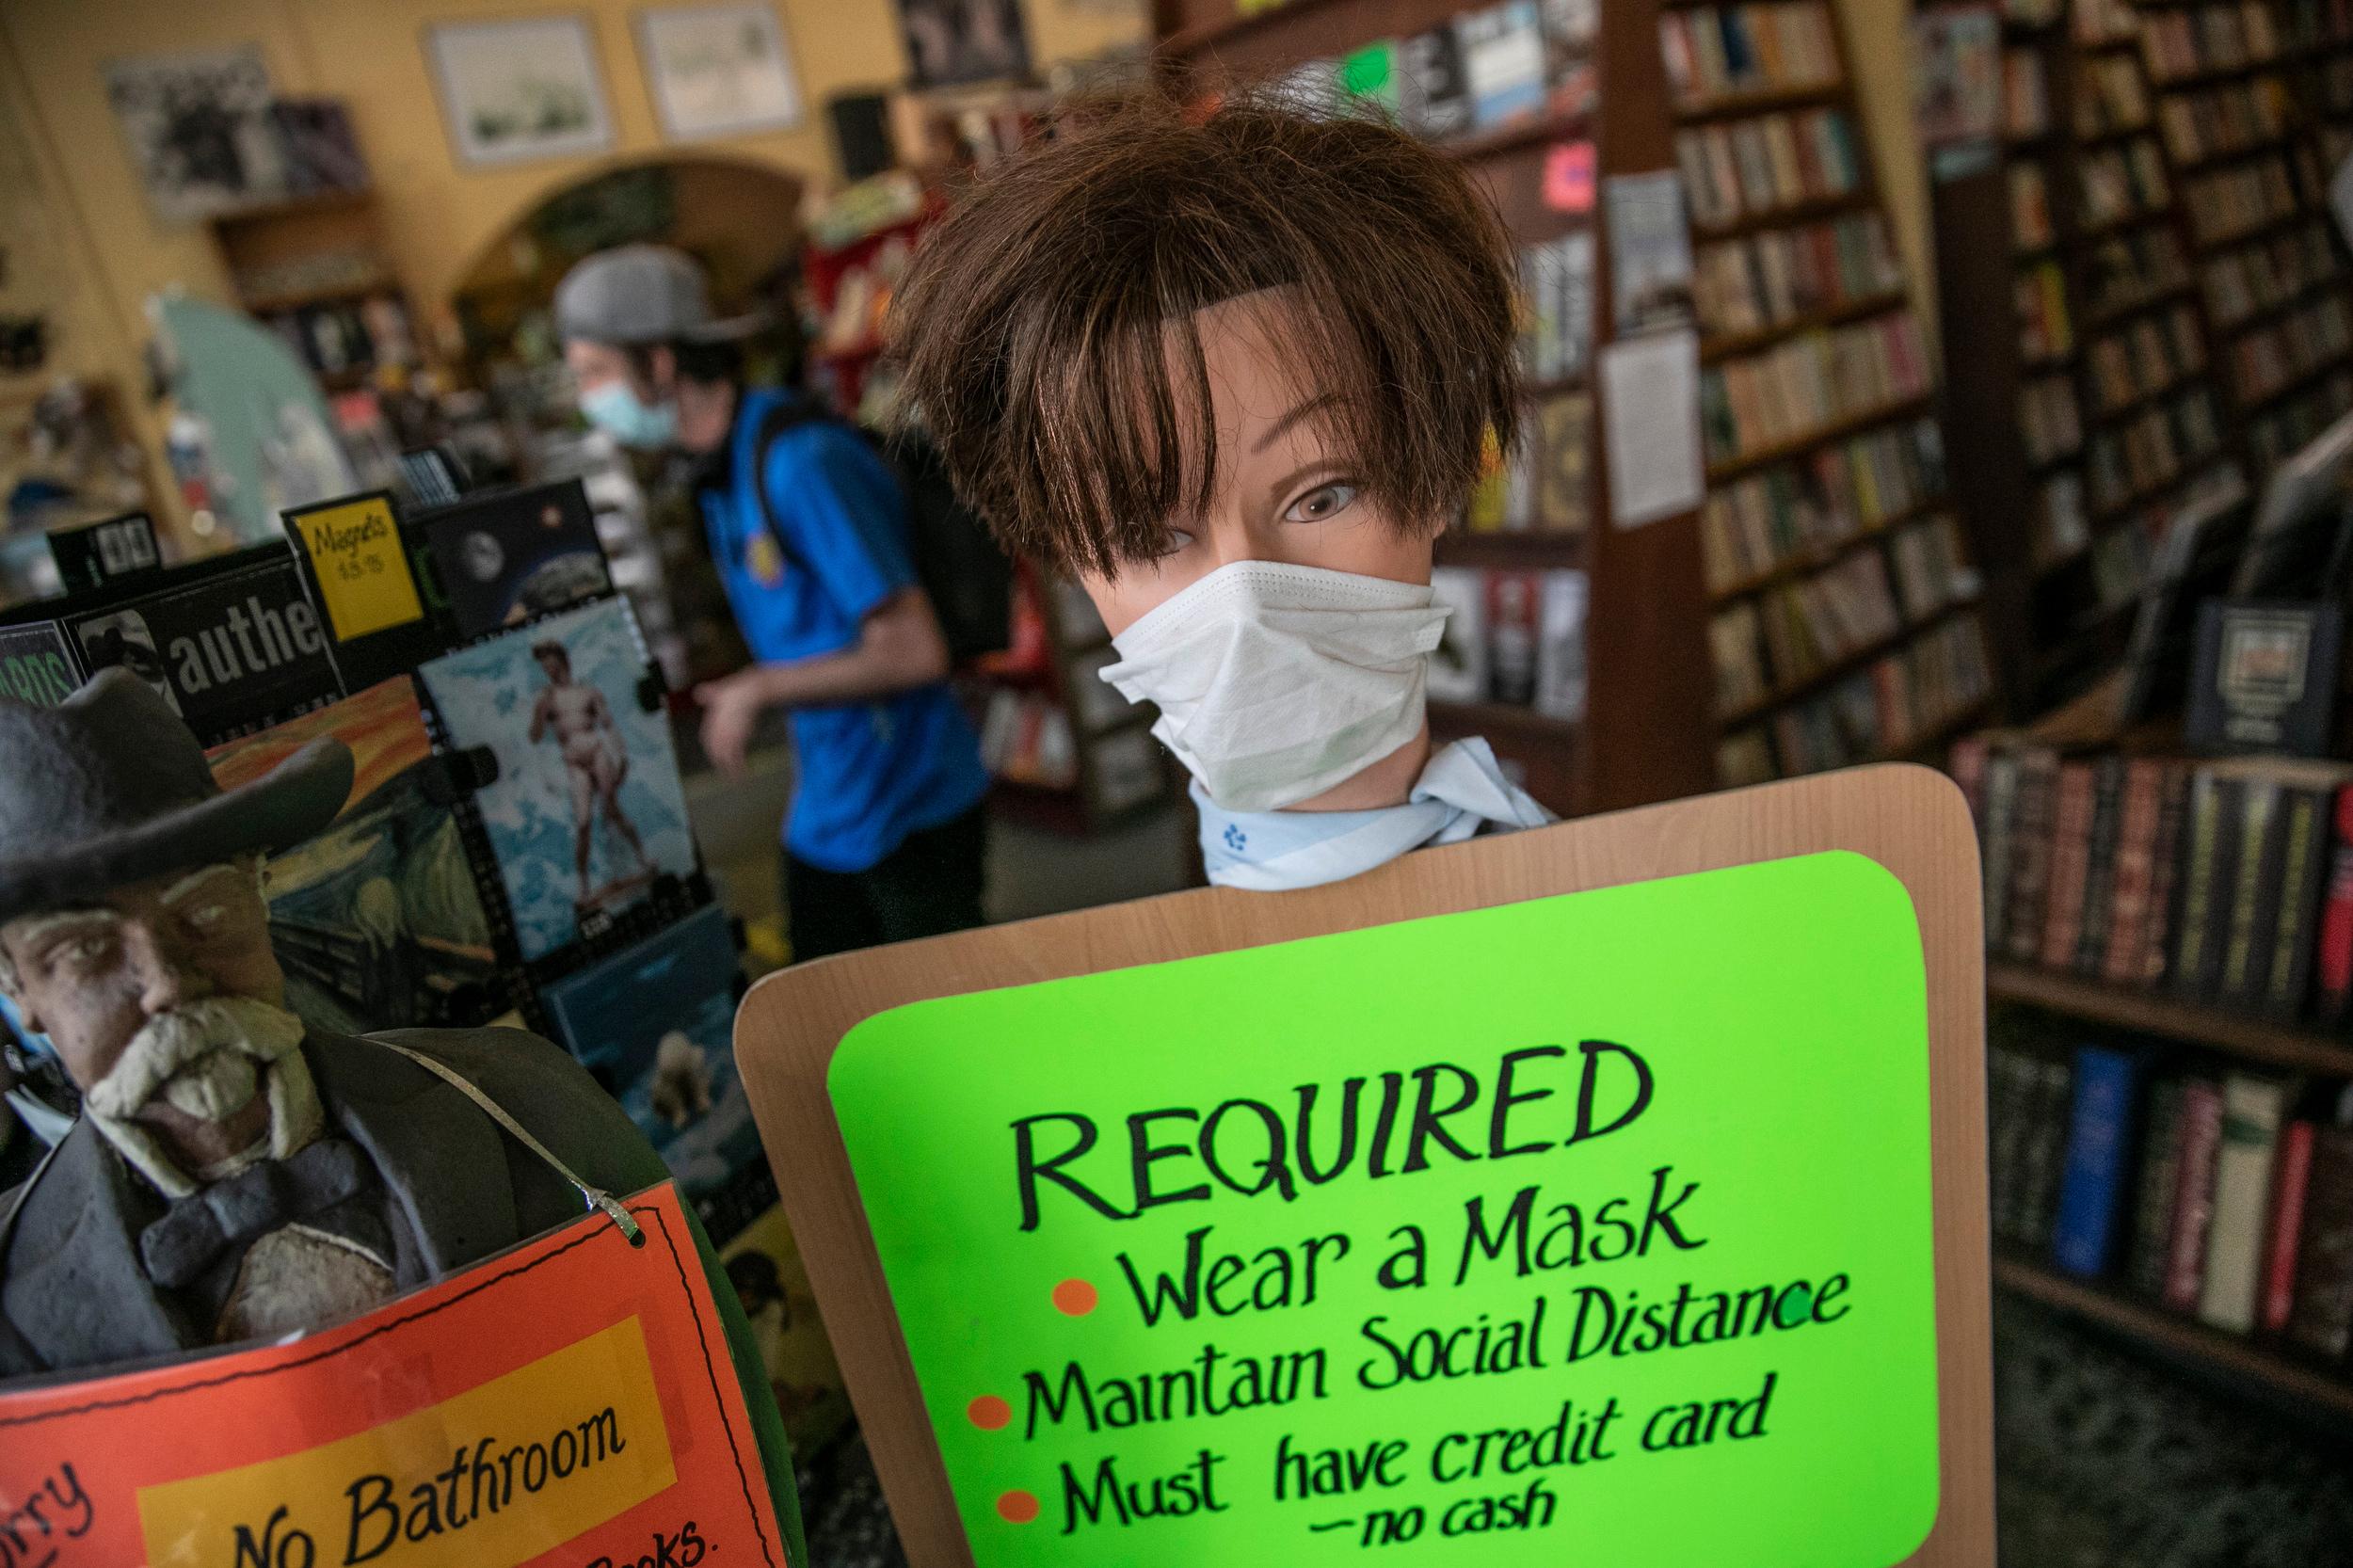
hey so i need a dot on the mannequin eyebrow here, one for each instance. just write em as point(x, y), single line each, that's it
point(39, 926)
point(190, 883)
point(1282, 427)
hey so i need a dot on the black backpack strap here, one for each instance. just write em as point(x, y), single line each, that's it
point(786, 415)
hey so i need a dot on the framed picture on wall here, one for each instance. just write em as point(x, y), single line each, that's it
point(515, 90)
point(953, 42)
point(717, 70)
point(199, 129)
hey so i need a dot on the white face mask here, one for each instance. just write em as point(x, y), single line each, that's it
point(1275, 683)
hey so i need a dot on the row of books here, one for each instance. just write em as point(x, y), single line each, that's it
point(2032, 13)
point(2226, 1197)
point(2025, 95)
point(2045, 330)
point(2030, 227)
point(2266, 273)
point(2119, 185)
point(2197, 40)
point(2131, 461)
point(2236, 117)
point(1934, 681)
point(2266, 359)
point(2311, 25)
point(1716, 51)
point(2229, 883)
point(1543, 489)
point(1832, 494)
point(1761, 165)
point(2123, 272)
point(1762, 281)
point(1501, 65)
point(2234, 201)
point(2143, 359)
point(2288, 422)
point(1810, 383)
point(1796, 629)
point(1557, 302)
point(2097, 23)
point(2049, 419)
point(1516, 638)
point(1791, 630)
point(2109, 98)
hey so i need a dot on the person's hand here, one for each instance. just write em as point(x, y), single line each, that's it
point(730, 707)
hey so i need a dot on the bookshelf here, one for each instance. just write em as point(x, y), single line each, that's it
point(2160, 208)
point(2162, 1331)
point(1843, 603)
point(2153, 1013)
point(2135, 906)
point(1535, 535)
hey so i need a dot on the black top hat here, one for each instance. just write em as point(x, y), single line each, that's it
point(110, 787)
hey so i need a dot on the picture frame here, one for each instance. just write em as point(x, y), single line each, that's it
point(516, 91)
point(719, 69)
point(197, 128)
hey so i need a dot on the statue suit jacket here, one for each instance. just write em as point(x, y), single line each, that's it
point(73, 1296)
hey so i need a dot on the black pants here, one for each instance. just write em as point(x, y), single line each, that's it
point(927, 887)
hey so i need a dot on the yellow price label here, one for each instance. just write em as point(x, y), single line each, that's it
point(362, 572)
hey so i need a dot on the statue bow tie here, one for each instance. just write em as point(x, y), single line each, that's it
point(256, 1200)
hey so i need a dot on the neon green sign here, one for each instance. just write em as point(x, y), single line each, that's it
point(1590, 1229)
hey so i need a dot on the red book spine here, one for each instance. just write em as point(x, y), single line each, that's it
point(2070, 866)
point(2287, 1224)
point(2335, 960)
point(2193, 1195)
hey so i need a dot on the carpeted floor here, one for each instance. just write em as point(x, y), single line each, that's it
point(2103, 1459)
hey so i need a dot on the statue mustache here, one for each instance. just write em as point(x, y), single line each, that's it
point(205, 1057)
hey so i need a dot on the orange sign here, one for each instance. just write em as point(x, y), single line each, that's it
point(569, 1401)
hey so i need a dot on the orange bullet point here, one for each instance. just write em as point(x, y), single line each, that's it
point(1018, 1508)
point(989, 1412)
point(1075, 1297)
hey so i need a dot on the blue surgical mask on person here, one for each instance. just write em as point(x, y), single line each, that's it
point(615, 408)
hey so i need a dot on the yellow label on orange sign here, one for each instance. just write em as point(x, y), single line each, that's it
point(501, 1473)
point(361, 570)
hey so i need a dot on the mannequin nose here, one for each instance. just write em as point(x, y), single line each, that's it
point(166, 979)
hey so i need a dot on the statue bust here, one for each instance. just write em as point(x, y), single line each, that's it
point(236, 1175)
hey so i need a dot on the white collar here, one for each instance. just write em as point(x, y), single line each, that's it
point(1461, 790)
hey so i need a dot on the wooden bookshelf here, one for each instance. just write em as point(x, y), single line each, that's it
point(1644, 735)
point(1805, 569)
point(2172, 1334)
point(2064, 539)
point(2170, 1017)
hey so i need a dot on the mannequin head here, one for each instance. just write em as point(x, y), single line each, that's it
point(1155, 348)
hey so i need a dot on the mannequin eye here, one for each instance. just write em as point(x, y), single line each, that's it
point(1323, 502)
point(1178, 542)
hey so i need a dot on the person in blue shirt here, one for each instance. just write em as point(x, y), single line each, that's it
point(884, 839)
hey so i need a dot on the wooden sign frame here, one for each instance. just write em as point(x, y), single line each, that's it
point(1910, 820)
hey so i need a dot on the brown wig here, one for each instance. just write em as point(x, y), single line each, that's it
point(1046, 326)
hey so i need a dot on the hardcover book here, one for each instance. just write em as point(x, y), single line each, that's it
point(2193, 1194)
point(2099, 1141)
point(2252, 1110)
point(2264, 677)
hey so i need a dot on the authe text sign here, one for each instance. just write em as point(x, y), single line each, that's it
point(1592, 1228)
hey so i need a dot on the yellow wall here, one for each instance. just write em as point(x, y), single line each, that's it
point(1878, 46)
point(371, 53)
